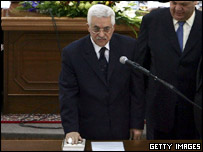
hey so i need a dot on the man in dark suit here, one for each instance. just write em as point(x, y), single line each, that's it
point(171, 50)
point(97, 93)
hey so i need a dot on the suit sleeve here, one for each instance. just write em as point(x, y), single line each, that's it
point(137, 102)
point(68, 94)
point(139, 79)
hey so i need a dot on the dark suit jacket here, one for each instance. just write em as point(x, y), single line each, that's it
point(89, 105)
point(159, 49)
point(198, 100)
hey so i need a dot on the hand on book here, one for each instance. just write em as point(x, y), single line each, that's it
point(73, 137)
point(73, 147)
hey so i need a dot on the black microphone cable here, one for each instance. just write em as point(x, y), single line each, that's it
point(24, 123)
point(56, 30)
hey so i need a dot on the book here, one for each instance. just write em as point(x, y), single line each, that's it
point(73, 147)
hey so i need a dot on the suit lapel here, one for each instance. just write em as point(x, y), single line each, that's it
point(170, 32)
point(193, 36)
point(91, 58)
point(113, 57)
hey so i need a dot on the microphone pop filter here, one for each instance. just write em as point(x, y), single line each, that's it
point(123, 59)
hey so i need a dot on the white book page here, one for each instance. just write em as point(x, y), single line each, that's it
point(107, 146)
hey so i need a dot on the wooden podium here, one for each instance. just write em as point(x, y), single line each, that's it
point(55, 145)
point(32, 59)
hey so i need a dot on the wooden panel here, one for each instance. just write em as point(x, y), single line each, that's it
point(33, 103)
point(34, 61)
point(32, 68)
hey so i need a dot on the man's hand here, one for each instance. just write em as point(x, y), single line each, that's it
point(135, 134)
point(75, 136)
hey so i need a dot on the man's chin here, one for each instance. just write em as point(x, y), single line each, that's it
point(101, 43)
point(179, 17)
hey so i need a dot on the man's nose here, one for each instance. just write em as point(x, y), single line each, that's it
point(101, 33)
point(178, 7)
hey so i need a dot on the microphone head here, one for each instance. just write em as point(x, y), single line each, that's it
point(123, 59)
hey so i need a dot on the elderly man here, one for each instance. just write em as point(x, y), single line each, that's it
point(97, 93)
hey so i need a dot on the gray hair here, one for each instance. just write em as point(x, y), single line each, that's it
point(100, 10)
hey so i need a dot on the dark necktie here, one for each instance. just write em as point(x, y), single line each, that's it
point(179, 33)
point(103, 63)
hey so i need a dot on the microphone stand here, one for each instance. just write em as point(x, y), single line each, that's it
point(166, 84)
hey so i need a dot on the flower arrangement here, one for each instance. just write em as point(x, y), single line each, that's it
point(125, 12)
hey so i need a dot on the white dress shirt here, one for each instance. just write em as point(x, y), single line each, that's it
point(186, 28)
point(97, 49)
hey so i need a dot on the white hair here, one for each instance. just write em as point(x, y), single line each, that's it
point(100, 10)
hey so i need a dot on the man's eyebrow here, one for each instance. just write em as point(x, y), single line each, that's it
point(103, 27)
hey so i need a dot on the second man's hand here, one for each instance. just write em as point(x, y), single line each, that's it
point(75, 137)
point(136, 134)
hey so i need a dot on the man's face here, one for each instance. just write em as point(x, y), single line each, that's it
point(101, 30)
point(182, 10)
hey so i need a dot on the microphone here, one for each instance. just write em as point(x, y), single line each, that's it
point(125, 60)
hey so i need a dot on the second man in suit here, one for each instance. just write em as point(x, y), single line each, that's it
point(170, 45)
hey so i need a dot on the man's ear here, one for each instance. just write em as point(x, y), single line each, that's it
point(88, 27)
point(114, 27)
